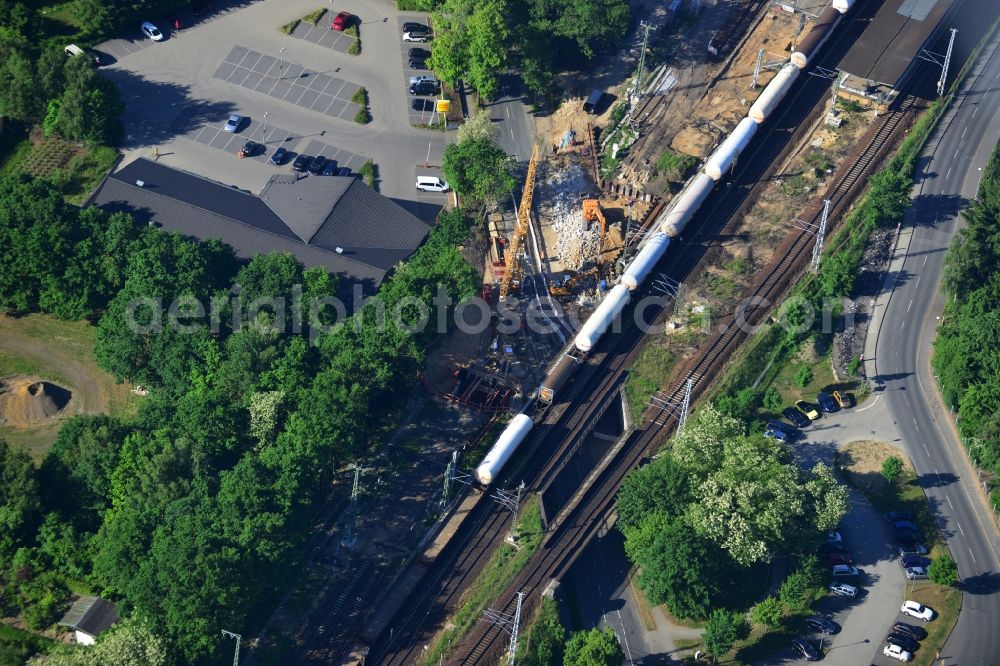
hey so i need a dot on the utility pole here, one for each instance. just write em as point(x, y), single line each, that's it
point(236, 655)
point(947, 61)
point(646, 29)
point(263, 136)
point(511, 502)
point(509, 623)
point(685, 406)
point(818, 247)
point(352, 510)
point(756, 69)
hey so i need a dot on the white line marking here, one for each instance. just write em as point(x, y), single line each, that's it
point(964, 131)
point(903, 325)
point(949, 502)
point(948, 175)
point(910, 305)
point(960, 527)
point(938, 475)
point(955, 156)
point(926, 449)
point(923, 264)
point(915, 425)
point(974, 112)
point(973, 556)
point(625, 636)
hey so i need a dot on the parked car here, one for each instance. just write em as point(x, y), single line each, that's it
point(822, 624)
point(416, 63)
point(410, 26)
point(776, 433)
point(789, 430)
point(896, 652)
point(845, 399)
point(424, 88)
point(916, 573)
point(431, 184)
point(417, 52)
point(826, 403)
point(844, 571)
point(234, 123)
point(416, 36)
point(806, 649)
point(919, 633)
point(808, 409)
point(917, 610)
point(301, 162)
point(279, 156)
point(834, 535)
point(342, 21)
point(904, 525)
point(331, 168)
point(844, 590)
point(316, 165)
point(903, 641)
point(902, 514)
point(913, 549)
point(249, 149)
point(907, 537)
point(796, 417)
point(837, 557)
point(830, 546)
point(151, 31)
point(424, 78)
point(908, 561)
point(73, 50)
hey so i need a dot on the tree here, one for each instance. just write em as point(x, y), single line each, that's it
point(543, 645)
point(660, 486)
point(943, 570)
point(479, 126)
point(594, 648)
point(722, 630)
point(19, 503)
point(128, 643)
point(891, 468)
point(829, 498)
point(488, 29)
point(772, 400)
point(804, 376)
point(19, 93)
point(767, 611)
point(478, 169)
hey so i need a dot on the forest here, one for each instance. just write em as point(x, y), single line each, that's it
point(192, 515)
point(967, 348)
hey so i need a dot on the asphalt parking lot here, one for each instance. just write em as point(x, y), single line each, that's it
point(321, 34)
point(178, 94)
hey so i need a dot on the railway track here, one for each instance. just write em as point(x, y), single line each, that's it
point(561, 547)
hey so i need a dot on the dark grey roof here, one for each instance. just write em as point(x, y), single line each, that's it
point(311, 217)
point(91, 615)
point(893, 39)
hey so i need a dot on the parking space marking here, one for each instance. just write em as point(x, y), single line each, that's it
point(322, 35)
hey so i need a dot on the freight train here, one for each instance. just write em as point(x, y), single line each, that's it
point(668, 226)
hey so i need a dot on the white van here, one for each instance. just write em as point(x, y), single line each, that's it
point(431, 184)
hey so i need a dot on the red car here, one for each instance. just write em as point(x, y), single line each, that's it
point(838, 558)
point(341, 21)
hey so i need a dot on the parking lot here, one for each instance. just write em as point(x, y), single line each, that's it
point(179, 93)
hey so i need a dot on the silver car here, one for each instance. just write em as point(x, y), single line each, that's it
point(916, 573)
point(152, 31)
point(234, 123)
point(844, 590)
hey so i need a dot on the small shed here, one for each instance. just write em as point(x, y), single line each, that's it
point(89, 617)
point(593, 103)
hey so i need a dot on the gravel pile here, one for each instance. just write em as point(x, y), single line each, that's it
point(575, 244)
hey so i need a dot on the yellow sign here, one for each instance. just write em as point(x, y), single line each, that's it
point(443, 105)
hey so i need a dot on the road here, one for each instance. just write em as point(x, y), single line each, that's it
point(516, 128)
point(898, 356)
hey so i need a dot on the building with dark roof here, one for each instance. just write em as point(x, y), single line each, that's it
point(89, 617)
point(886, 54)
point(338, 223)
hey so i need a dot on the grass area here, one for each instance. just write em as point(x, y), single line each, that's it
point(363, 116)
point(674, 166)
point(313, 18)
point(369, 171)
point(354, 48)
point(647, 374)
point(290, 27)
point(498, 573)
point(947, 601)
point(85, 172)
point(47, 155)
point(354, 31)
point(17, 646)
point(76, 170)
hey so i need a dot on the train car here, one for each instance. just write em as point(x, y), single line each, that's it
point(676, 217)
point(561, 373)
point(843, 6)
point(814, 40)
point(644, 262)
point(723, 158)
point(505, 446)
point(772, 95)
point(597, 324)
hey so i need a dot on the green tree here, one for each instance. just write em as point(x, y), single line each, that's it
point(128, 643)
point(593, 648)
point(722, 630)
point(943, 570)
point(892, 467)
point(772, 400)
point(19, 501)
point(478, 169)
point(543, 644)
point(479, 126)
point(767, 611)
point(20, 96)
point(804, 376)
point(488, 30)
point(661, 486)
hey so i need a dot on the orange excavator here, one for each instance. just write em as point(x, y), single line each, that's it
point(591, 211)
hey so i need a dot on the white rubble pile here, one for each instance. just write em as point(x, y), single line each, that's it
point(575, 244)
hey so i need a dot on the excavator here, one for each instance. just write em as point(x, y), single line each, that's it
point(591, 211)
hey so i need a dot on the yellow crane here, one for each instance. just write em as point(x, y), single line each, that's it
point(514, 257)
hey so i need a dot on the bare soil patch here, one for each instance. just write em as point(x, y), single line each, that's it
point(26, 402)
point(862, 461)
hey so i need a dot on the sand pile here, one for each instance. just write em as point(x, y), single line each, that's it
point(29, 401)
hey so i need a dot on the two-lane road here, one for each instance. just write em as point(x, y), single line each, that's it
point(949, 177)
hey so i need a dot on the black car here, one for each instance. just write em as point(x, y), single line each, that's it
point(833, 547)
point(805, 648)
point(416, 63)
point(775, 424)
point(903, 641)
point(410, 26)
point(918, 633)
point(420, 104)
point(249, 149)
point(827, 403)
point(279, 156)
point(893, 516)
point(907, 537)
point(901, 525)
point(301, 162)
point(331, 168)
point(419, 53)
point(795, 416)
point(424, 88)
point(907, 561)
point(823, 624)
point(316, 165)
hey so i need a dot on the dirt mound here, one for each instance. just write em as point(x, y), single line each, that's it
point(30, 401)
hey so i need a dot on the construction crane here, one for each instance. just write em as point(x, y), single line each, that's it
point(515, 251)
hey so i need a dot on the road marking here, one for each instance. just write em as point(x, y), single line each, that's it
point(973, 556)
point(910, 305)
point(947, 497)
point(938, 475)
point(923, 264)
point(625, 636)
point(511, 134)
point(948, 175)
point(955, 156)
point(926, 449)
point(960, 527)
point(964, 131)
point(903, 325)
point(974, 112)
point(915, 425)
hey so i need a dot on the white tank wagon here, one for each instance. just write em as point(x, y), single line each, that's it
point(597, 324)
point(649, 255)
point(772, 95)
point(505, 446)
point(729, 150)
point(843, 6)
point(815, 38)
point(673, 221)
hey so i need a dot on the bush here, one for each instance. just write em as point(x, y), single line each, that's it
point(772, 400)
point(891, 468)
point(804, 376)
point(768, 612)
point(369, 172)
point(854, 366)
point(943, 570)
point(360, 97)
point(353, 31)
point(363, 117)
point(289, 27)
point(313, 17)
point(354, 48)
